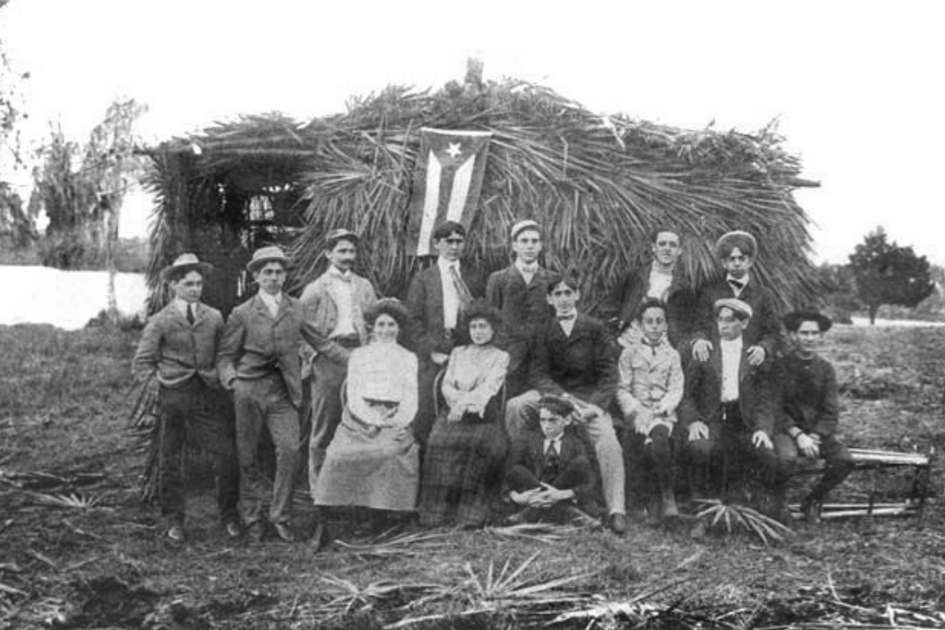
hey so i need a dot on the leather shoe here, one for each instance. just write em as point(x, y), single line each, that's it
point(618, 524)
point(175, 533)
point(283, 532)
point(521, 517)
point(255, 532)
point(232, 529)
point(580, 518)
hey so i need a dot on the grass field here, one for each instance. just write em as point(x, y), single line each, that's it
point(79, 550)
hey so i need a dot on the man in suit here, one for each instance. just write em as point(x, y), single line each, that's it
point(519, 293)
point(436, 300)
point(335, 303)
point(176, 357)
point(259, 360)
point(810, 410)
point(661, 280)
point(737, 251)
point(549, 472)
point(573, 357)
point(728, 410)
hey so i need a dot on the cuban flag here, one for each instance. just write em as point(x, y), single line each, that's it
point(446, 184)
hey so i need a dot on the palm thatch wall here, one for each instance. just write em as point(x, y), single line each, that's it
point(599, 186)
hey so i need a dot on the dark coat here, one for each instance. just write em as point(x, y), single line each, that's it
point(583, 364)
point(425, 307)
point(175, 349)
point(764, 327)
point(574, 464)
point(523, 307)
point(255, 344)
point(808, 397)
point(702, 401)
point(630, 292)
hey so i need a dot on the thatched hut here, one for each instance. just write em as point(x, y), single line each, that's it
point(597, 185)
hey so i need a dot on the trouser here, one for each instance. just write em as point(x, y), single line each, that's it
point(839, 462)
point(600, 431)
point(649, 459)
point(327, 379)
point(266, 402)
point(426, 411)
point(728, 455)
point(195, 412)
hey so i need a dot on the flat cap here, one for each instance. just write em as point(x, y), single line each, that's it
point(522, 225)
point(738, 307)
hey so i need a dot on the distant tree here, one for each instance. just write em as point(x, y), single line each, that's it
point(886, 273)
point(839, 291)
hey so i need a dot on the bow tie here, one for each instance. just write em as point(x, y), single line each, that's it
point(564, 318)
point(528, 268)
point(738, 285)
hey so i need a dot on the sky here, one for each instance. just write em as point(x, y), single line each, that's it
point(856, 87)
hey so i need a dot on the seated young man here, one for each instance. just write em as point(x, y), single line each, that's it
point(573, 357)
point(809, 407)
point(649, 390)
point(729, 411)
point(549, 471)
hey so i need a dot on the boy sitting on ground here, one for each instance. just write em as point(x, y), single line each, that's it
point(549, 471)
point(809, 407)
point(649, 390)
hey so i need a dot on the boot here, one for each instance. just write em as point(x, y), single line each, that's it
point(668, 507)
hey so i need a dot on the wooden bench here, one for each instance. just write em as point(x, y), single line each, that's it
point(871, 459)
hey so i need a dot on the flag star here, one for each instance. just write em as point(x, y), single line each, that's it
point(453, 149)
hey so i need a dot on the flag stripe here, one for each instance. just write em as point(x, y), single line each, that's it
point(431, 202)
point(460, 190)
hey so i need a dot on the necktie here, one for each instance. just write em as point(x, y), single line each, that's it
point(549, 469)
point(190, 313)
point(736, 284)
point(565, 318)
point(465, 295)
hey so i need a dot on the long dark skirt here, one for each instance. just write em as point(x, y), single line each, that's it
point(462, 469)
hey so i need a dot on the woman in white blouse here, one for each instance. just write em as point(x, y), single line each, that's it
point(373, 459)
point(467, 446)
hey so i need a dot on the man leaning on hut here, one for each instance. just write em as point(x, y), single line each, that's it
point(335, 303)
point(259, 361)
point(177, 358)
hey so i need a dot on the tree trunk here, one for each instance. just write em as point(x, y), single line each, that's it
point(110, 216)
point(874, 308)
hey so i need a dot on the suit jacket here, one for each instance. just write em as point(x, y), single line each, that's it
point(425, 306)
point(323, 312)
point(529, 451)
point(809, 398)
point(175, 349)
point(764, 327)
point(583, 364)
point(632, 290)
point(757, 397)
point(256, 344)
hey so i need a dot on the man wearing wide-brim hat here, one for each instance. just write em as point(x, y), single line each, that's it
point(728, 412)
point(259, 361)
point(737, 251)
point(519, 293)
point(335, 302)
point(177, 358)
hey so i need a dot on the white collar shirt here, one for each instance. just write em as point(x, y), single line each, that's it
point(731, 360)
point(553, 443)
point(729, 279)
point(181, 306)
point(660, 282)
point(342, 292)
point(272, 302)
point(450, 294)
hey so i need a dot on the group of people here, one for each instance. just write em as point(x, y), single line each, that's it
point(478, 400)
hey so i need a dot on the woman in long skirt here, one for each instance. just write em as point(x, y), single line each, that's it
point(373, 459)
point(467, 446)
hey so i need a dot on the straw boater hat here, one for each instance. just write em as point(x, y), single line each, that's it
point(737, 236)
point(737, 306)
point(265, 255)
point(340, 234)
point(793, 321)
point(184, 264)
point(527, 224)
